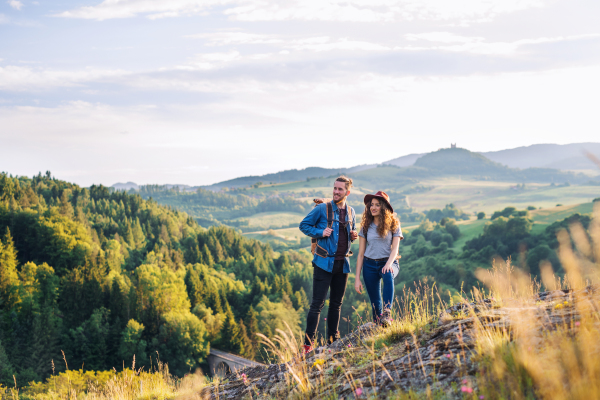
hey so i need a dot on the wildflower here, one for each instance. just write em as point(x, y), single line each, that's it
point(325, 319)
point(318, 361)
point(482, 397)
point(358, 391)
point(244, 378)
point(448, 355)
point(465, 381)
point(577, 323)
point(558, 306)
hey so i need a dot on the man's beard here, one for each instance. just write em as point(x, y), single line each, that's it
point(340, 200)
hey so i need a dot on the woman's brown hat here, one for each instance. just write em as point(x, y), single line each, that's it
point(380, 195)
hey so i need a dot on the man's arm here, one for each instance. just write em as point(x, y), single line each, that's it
point(307, 226)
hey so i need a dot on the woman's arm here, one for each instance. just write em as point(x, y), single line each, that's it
point(393, 254)
point(362, 245)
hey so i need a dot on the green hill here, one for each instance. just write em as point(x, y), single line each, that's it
point(457, 161)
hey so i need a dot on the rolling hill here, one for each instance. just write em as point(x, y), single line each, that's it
point(563, 157)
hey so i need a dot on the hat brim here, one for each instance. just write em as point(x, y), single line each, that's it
point(370, 197)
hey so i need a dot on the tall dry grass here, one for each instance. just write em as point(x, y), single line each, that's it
point(129, 384)
point(551, 350)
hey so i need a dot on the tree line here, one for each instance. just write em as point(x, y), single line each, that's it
point(103, 275)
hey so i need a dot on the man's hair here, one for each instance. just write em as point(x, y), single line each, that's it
point(346, 180)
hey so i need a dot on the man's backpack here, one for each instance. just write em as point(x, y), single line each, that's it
point(313, 241)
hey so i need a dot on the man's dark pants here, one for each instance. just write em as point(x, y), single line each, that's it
point(322, 282)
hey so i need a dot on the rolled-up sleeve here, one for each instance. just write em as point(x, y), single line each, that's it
point(398, 233)
point(308, 224)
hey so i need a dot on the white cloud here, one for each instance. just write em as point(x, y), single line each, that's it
point(17, 78)
point(153, 9)
point(447, 41)
point(210, 61)
point(442, 37)
point(236, 38)
point(4, 19)
point(309, 10)
point(16, 4)
point(315, 43)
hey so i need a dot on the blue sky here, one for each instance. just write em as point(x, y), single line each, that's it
point(195, 92)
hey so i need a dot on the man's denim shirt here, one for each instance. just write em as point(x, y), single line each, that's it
point(315, 223)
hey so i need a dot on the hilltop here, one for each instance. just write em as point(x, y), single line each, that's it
point(474, 349)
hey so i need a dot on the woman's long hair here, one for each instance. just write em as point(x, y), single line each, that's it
point(386, 220)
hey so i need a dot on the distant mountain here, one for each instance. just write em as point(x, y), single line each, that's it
point(513, 164)
point(126, 186)
point(564, 157)
point(462, 162)
point(132, 185)
point(290, 175)
point(404, 161)
point(457, 161)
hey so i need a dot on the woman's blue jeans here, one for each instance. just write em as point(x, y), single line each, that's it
point(373, 276)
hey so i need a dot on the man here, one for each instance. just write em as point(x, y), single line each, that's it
point(330, 262)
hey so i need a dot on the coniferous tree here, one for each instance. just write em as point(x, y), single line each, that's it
point(8, 271)
point(6, 369)
point(65, 207)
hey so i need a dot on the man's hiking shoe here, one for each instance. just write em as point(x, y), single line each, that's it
point(307, 350)
point(386, 318)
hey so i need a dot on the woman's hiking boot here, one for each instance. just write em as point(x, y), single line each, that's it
point(386, 318)
point(334, 337)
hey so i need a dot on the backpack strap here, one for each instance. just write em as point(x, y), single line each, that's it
point(330, 214)
point(314, 241)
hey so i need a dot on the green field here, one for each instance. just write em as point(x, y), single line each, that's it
point(544, 217)
point(274, 219)
point(288, 234)
point(469, 229)
point(467, 194)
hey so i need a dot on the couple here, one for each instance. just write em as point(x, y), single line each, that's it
point(332, 224)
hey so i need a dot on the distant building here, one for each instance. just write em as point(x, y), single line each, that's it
point(452, 145)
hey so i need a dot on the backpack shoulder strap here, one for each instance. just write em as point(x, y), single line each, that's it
point(329, 214)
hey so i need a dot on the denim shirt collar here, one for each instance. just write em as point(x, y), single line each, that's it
point(335, 207)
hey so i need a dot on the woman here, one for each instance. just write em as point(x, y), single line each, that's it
point(379, 240)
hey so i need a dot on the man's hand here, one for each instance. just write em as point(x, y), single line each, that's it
point(327, 232)
point(358, 286)
point(353, 235)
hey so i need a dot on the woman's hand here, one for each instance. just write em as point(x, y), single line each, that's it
point(358, 286)
point(387, 268)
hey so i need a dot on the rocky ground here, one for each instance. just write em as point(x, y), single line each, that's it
point(441, 358)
